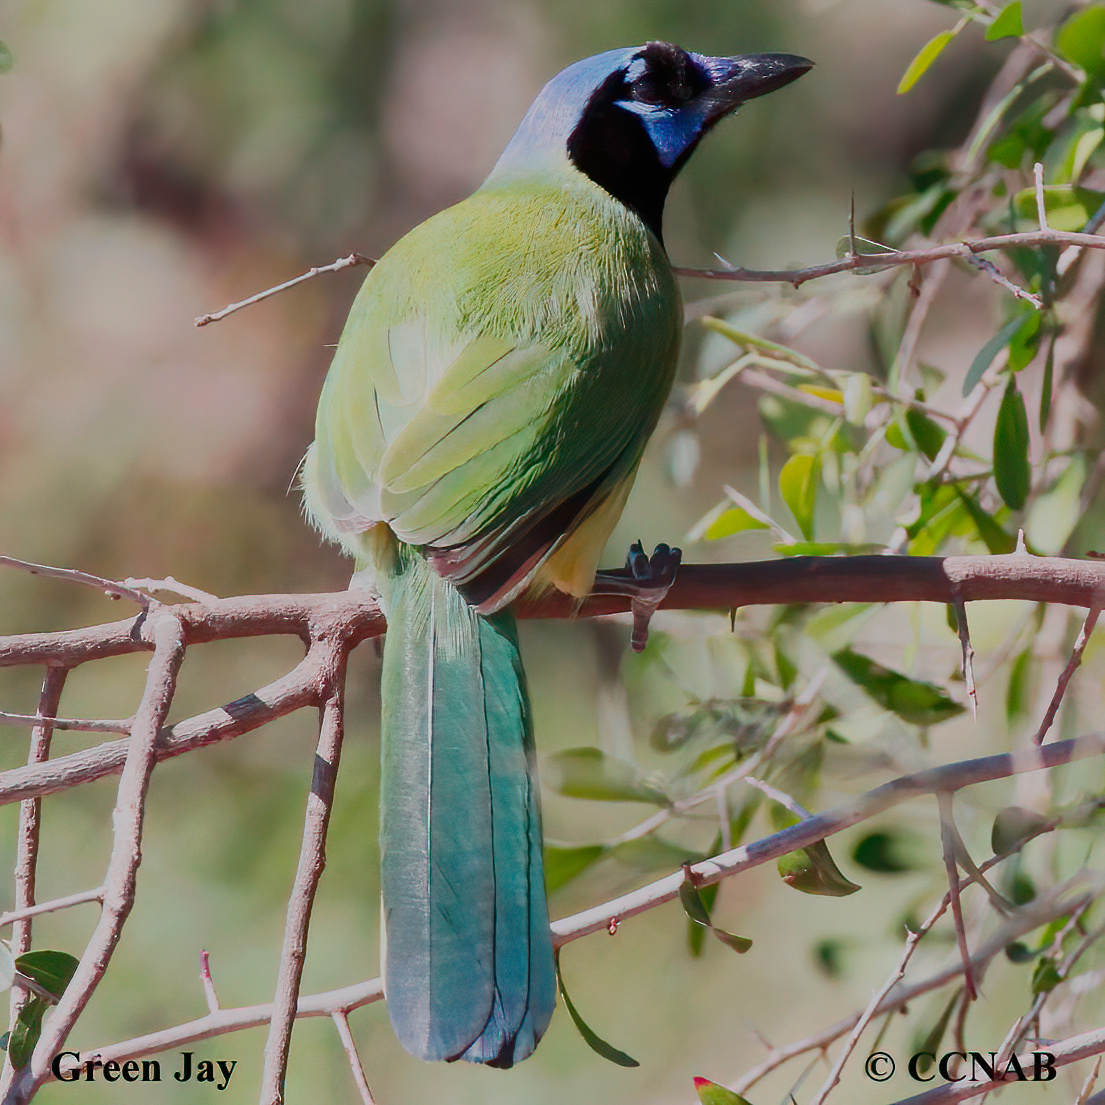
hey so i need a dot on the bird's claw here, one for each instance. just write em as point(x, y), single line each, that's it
point(652, 579)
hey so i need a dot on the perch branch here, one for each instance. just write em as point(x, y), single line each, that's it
point(895, 258)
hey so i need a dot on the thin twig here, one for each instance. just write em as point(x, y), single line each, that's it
point(948, 842)
point(310, 274)
point(26, 859)
point(1041, 205)
point(68, 724)
point(776, 795)
point(947, 777)
point(112, 588)
point(172, 586)
point(1088, 1083)
point(994, 273)
point(898, 258)
point(83, 897)
point(341, 1023)
point(312, 860)
point(1068, 671)
point(208, 983)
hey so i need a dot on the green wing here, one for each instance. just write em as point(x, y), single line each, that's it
point(486, 434)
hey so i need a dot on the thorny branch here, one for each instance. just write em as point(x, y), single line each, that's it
point(857, 261)
point(331, 625)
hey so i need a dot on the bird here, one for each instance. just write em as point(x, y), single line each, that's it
point(477, 434)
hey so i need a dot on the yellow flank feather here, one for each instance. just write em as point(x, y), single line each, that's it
point(572, 566)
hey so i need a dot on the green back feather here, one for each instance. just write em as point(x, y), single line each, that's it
point(483, 378)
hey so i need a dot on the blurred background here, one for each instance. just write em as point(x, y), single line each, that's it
point(161, 158)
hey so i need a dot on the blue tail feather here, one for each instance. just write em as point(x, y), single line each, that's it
point(468, 967)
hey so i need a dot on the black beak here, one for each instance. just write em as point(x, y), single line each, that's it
point(746, 77)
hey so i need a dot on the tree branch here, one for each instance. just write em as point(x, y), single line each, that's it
point(312, 860)
point(126, 852)
point(894, 258)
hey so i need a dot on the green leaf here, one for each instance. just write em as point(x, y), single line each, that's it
point(985, 356)
point(828, 954)
point(1012, 471)
point(696, 910)
point(1058, 509)
point(696, 933)
point(52, 970)
point(913, 700)
point(1022, 889)
point(1045, 976)
point(590, 773)
point(1013, 827)
point(786, 668)
point(997, 541)
point(1017, 690)
point(798, 486)
point(564, 864)
point(886, 852)
point(1020, 952)
point(1007, 23)
point(764, 345)
point(693, 905)
point(593, 1041)
point(710, 1093)
point(858, 397)
point(26, 1031)
point(1048, 381)
point(734, 520)
point(926, 433)
point(1067, 206)
point(1025, 342)
point(1081, 38)
point(6, 59)
point(827, 548)
point(942, 515)
point(926, 56)
point(814, 871)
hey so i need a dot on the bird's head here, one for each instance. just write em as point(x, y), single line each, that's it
point(630, 118)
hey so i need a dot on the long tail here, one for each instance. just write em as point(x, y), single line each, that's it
point(468, 961)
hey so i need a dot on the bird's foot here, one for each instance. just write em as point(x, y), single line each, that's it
point(650, 579)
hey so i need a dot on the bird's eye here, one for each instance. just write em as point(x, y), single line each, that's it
point(649, 89)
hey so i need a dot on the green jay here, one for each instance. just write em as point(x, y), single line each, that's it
point(477, 436)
